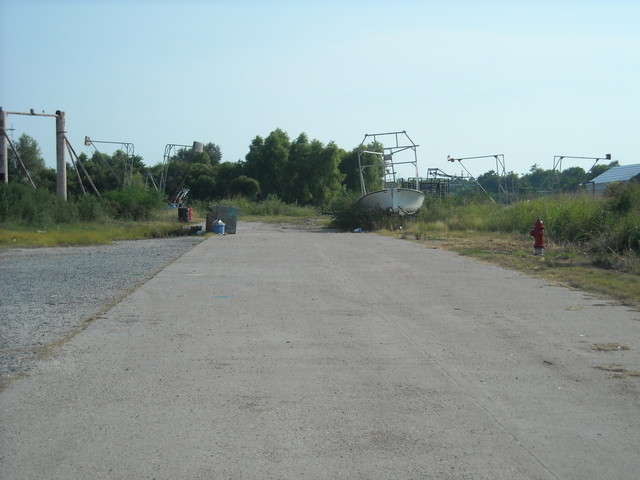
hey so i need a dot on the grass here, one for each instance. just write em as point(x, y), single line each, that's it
point(165, 224)
point(86, 234)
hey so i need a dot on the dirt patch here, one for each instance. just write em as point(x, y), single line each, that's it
point(610, 347)
point(619, 371)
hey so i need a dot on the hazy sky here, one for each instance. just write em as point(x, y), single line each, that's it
point(527, 79)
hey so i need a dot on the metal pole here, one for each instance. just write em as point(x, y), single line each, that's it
point(74, 154)
point(61, 179)
point(4, 156)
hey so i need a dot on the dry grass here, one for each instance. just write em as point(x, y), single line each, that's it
point(80, 234)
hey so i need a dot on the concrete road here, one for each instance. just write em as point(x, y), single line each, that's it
point(285, 354)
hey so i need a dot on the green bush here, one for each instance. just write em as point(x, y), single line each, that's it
point(349, 214)
point(22, 204)
point(622, 198)
point(436, 209)
point(91, 209)
point(622, 211)
point(133, 203)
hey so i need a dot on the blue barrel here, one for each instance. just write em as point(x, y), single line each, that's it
point(218, 228)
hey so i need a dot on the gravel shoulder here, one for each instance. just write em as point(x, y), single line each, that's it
point(50, 293)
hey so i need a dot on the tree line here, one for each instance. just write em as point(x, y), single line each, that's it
point(301, 171)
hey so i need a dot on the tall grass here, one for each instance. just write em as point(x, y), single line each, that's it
point(271, 207)
point(22, 205)
point(608, 223)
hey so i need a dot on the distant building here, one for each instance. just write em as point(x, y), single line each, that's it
point(622, 173)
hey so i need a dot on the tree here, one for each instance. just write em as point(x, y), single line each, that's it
point(490, 181)
point(112, 172)
point(571, 178)
point(188, 155)
point(31, 157)
point(226, 172)
point(298, 171)
point(349, 170)
point(253, 165)
point(372, 175)
point(267, 161)
point(324, 181)
point(245, 186)
point(201, 181)
point(276, 156)
point(540, 179)
point(312, 175)
point(177, 172)
point(214, 152)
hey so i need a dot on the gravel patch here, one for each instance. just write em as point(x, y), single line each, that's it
point(48, 293)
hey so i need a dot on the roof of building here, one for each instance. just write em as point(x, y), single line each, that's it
point(622, 173)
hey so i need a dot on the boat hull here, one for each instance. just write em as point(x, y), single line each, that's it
point(400, 200)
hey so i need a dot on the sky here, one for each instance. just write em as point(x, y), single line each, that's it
point(529, 80)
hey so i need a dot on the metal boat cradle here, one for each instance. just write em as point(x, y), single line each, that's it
point(393, 197)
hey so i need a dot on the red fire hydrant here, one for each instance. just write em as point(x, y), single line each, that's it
point(538, 237)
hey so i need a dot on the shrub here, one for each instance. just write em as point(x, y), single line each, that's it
point(23, 204)
point(622, 198)
point(622, 212)
point(91, 209)
point(245, 186)
point(348, 213)
point(133, 203)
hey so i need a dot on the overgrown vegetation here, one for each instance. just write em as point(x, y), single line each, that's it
point(30, 217)
point(38, 218)
point(610, 224)
point(349, 214)
point(22, 205)
point(271, 206)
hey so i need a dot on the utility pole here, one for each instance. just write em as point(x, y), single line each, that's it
point(61, 178)
point(4, 157)
point(60, 146)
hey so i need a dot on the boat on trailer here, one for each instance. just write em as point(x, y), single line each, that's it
point(395, 196)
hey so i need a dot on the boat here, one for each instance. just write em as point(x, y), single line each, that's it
point(392, 149)
point(397, 200)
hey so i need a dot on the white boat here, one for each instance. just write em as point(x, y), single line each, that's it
point(395, 196)
point(398, 200)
